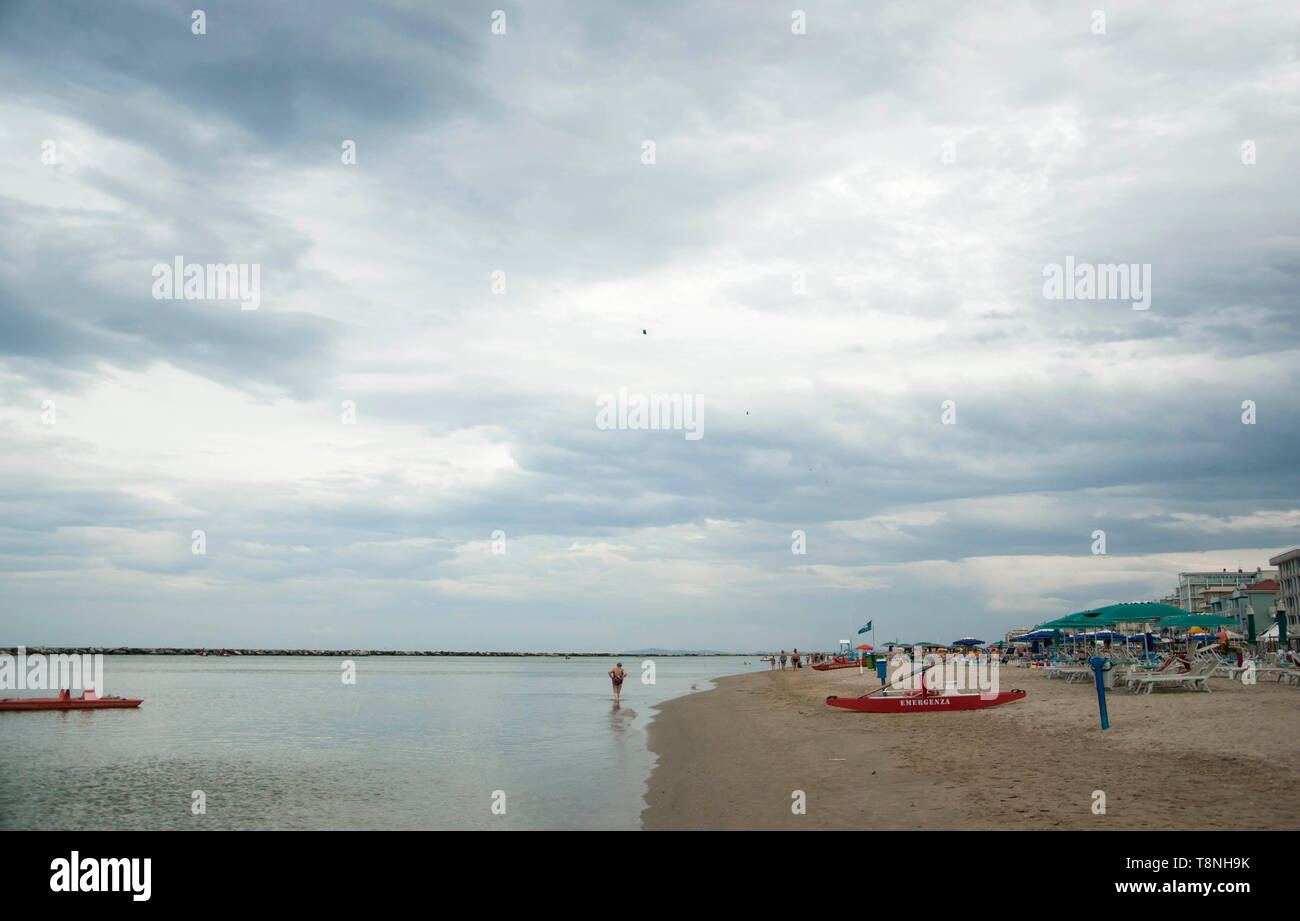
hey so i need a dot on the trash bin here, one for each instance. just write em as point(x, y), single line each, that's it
point(1107, 674)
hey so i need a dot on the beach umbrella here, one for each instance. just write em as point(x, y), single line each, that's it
point(1114, 614)
point(1146, 639)
point(1110, 615)
point(1191, 621)
point(1134, 612)
point(1101, 635)
point(1204, 621)
point(1076, 621)
point(864, 646)
point(968, 641)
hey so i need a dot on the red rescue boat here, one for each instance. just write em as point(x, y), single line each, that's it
point(837, 662)
point(919, 701)
point(89, 700)
point(923, 701)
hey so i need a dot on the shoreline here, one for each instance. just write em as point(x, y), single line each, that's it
point(217, 650)
point(730, 758)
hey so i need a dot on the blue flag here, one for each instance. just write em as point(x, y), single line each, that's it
point(866, 628)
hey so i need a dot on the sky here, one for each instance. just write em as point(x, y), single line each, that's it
point(826, 228)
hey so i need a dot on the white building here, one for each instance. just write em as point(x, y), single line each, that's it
point(1288, 577)
point(1196, 590)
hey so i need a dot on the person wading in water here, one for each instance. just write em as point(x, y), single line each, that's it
point(616, 675)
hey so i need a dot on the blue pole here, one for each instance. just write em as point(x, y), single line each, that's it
point(1097, 662)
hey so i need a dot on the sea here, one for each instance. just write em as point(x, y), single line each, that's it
point(428, 742)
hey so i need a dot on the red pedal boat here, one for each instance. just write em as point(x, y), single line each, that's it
point(65, 701)
point(923, 701)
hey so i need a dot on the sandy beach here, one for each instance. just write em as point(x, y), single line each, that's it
point(731, 757)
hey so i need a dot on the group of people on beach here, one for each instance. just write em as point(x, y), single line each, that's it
point(793, 659)
point(796, 660)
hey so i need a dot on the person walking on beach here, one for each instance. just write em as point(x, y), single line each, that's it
point(616, 675)
point(782, 660)
point(794, 659)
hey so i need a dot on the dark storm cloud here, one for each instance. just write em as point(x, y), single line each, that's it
point(290, 76)
point(79, 323)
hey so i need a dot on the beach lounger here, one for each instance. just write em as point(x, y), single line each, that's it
point(1284, 674)
point(1229, 671)
point(1223, 668)
point(1170, 668)
point(1135, 676)
point(1068, 670)
point(1197, 679)
point(1130, 677)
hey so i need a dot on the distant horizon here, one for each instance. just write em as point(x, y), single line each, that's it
point(185, 649)
point(997, 635)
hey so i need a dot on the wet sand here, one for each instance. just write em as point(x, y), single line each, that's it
point(731, 758)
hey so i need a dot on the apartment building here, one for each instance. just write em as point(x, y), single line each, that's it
point(1197, 590)
point(1258, 599)
point(1288, 567)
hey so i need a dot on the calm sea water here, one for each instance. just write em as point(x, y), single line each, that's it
point(283, 743)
